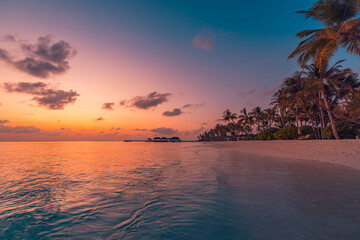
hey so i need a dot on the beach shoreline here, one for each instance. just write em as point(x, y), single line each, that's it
point(343, 152)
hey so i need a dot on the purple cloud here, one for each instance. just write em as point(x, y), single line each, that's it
point(19, 129)
point(108, 106)
point(44, 95)
point(43, 58)
point(164, 131)
point(145, 102)
point(271, 91)
point(195, 105)
point(141, 129)
point(174, 112)
point(204, 41)
point(4, 121)
point(194, 132)
point(246, 93)
point(9, 38)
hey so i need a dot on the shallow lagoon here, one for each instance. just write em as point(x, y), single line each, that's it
point(116, 190)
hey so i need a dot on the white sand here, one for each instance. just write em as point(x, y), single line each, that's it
point(343, 152)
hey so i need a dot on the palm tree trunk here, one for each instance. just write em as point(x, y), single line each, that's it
point(298, 125)
point(332, 121)
point(322, 120)
point(318, 129)
point(312, 125)
point(282, 118)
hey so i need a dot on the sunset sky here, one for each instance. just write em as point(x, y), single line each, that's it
point(115, 70)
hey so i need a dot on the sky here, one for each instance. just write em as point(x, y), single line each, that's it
point(116, 70)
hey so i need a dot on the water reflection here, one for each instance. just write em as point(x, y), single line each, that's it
point(113, 190)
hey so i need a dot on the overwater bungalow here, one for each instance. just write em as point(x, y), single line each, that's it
point(164, 139)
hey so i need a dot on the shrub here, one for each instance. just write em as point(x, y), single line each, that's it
point(307, 130)
point(250, 138)
point(267, 134)
point(345, 129)
point(287, 133)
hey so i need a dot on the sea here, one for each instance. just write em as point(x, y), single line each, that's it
point(134, 190)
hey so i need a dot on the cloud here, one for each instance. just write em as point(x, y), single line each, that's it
point(174, 112)
point(249, 104)
point(56, 99)
point(194, 132)
point(9, 38)
point(44, 95)
point(141, 129)
point(204, 41)
point(19, 129)
point(164, 131)
point(270, 92)
point(4, 121)
point(145, 102)
point(108, 106)
point(99, 119)
point(246, 93)
point(41, 59)
point(4, 56)
point(196, 105)
point(58, 132)
point(204, 123)
point(113, 134)
point(25, 87)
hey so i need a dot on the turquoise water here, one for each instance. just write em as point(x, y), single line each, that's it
point(115, 190)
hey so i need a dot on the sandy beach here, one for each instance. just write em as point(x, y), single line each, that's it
point(344, 152)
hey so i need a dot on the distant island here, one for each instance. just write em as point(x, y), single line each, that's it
point(157, 139)
point(164, 139)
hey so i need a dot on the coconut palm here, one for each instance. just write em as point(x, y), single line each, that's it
point(228, 116)
point(334, 84)
point(278, 101)
point(257, 116)
point(341, 29)
point(269, 116)
point(353, 105)
point(220, 131)
point(246, 121)
point(294, 90)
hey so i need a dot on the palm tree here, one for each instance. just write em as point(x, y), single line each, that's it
point(257, 116)
point(341, 29)
point(270, 116)
point(229, 116)
point(294, 90)
point(278, 101)
point(333, 83)
point(220, 131)
point(246, 121)
point(353, 105)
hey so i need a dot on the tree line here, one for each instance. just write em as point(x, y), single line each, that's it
point(321, 100)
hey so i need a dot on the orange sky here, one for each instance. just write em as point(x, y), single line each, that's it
point(208, 58)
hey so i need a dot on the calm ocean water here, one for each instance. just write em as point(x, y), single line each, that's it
point(116, 190)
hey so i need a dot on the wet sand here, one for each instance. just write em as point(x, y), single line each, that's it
point(343, 152)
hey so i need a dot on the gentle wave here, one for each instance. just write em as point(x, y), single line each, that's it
point(114, 190)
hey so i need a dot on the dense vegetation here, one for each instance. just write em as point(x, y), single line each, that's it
point(320, 101)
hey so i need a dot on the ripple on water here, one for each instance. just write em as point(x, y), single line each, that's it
point(113, 190)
